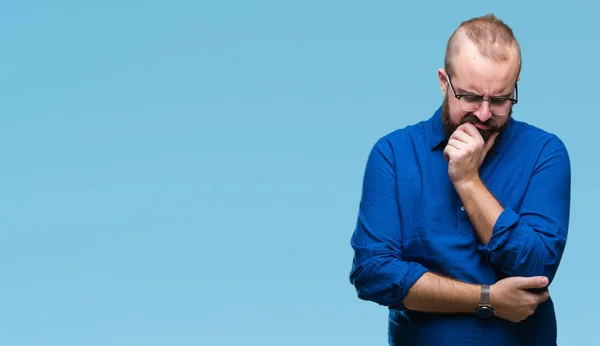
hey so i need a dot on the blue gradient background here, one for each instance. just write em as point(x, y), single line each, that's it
point(189, 173)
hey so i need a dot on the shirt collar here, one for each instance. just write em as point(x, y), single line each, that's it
point(437, 137)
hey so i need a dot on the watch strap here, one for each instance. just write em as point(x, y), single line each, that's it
point(485, 295)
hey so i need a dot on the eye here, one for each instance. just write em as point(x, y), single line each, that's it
point(472, 98)
point(499, 102)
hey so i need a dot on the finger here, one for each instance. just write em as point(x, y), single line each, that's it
point(471, 130)
point(533, 282)
point(490, 142)
point(455, 143)
point(544, 296)
point(541, 297)
point(450, 152)
point(462, 136)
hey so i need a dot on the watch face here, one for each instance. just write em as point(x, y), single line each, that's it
point(484, 312)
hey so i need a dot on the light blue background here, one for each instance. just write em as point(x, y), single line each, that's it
point(189, 173)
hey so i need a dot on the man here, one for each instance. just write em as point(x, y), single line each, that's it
point(463, 217)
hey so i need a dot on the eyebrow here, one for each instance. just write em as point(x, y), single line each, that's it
point(510, 94)
point(460, 91)
point(466, 92)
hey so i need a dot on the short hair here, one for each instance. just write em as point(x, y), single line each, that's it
point(492, 37)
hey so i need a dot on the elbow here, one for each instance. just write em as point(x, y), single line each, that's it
point(384, 279)
point(539, 265)
point(374, 282)
point(368, 284)
point(525, 251)
point(540, 260)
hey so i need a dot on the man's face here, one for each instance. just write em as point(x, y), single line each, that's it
point(477, 75)
point(452, 121)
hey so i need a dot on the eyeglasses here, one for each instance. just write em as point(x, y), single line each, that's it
point(498, 105)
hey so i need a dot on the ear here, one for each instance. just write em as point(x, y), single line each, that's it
point(443, 80)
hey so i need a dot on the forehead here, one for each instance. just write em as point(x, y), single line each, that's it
point(476, 73)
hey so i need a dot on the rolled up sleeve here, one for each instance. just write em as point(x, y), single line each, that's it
point(531, 242)
point(378, 272)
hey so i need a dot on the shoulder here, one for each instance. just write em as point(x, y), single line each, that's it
point(543, 144)
point(404, 137)
point(529, 136)
point(391, 147)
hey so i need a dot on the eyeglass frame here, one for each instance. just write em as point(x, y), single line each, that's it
point(489, 99)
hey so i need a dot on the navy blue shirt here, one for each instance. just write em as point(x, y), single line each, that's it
point(411, 220)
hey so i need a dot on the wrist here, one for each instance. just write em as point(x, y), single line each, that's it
point(485, 309)
point(467, 184)
point(493, 294)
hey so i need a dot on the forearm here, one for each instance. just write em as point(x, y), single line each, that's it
point(481, 206)
point(514, 246)
point(516, 253)
point(437, 294)
point(531, 241)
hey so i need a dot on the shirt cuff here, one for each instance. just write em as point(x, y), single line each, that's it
point(507, 219)
point(414, 273)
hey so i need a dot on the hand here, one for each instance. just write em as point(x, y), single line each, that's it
point(465, 152)
point(512, 300)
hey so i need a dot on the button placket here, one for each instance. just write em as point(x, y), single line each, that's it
point(462, 218)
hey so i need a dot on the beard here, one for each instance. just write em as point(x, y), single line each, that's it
point(450, 126)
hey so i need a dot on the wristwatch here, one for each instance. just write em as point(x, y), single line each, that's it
point(485, 309)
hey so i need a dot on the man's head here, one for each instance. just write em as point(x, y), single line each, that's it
point(483, 59)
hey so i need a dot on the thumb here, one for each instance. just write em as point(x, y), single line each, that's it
point(533, 282)
point(490, 142)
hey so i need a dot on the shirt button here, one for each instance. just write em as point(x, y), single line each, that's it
point(462, 208)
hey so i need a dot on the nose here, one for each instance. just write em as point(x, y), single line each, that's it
point(483, 113)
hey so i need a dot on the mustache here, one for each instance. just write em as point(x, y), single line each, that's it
point(473, 119)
